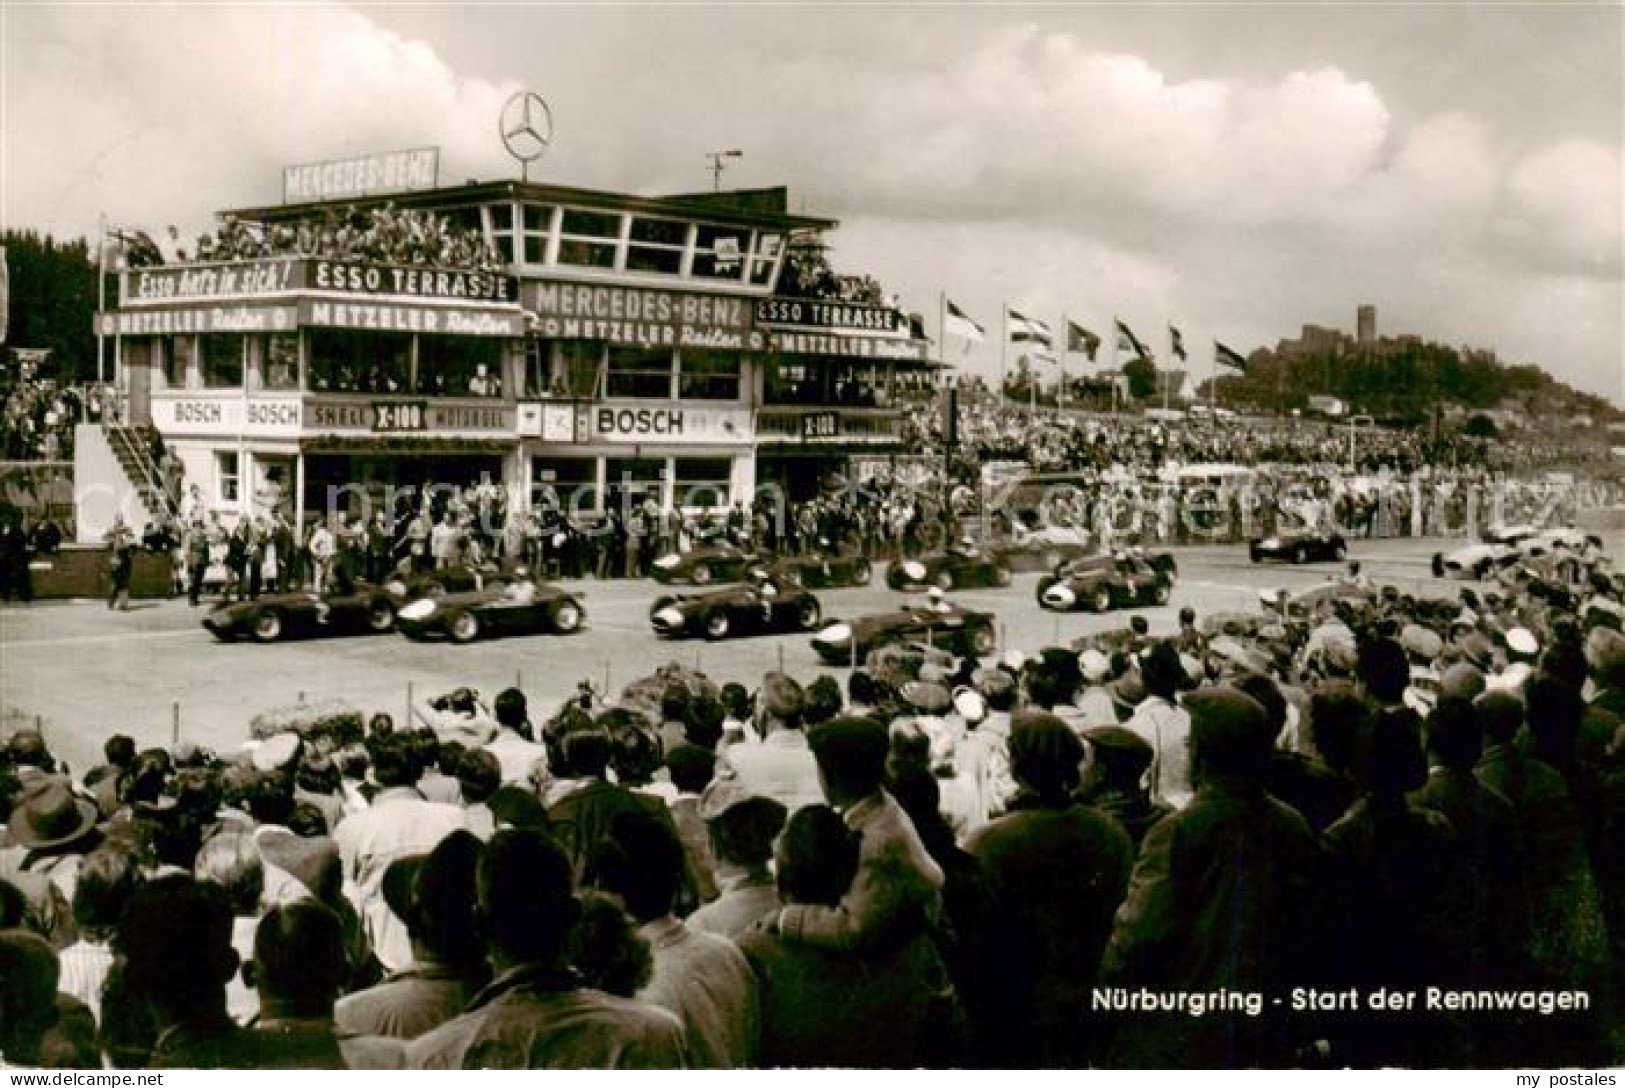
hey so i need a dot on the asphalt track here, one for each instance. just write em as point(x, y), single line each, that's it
point(86, 672)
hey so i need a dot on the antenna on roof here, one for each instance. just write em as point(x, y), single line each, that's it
point(718, 165)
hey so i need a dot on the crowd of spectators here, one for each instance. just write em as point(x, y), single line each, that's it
point(1044, 859)
point(384, 234)
point(37, 417)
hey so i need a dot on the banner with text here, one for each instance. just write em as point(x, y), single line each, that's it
point(197, 319)
point(831, 316)
point(641, 318)
point(227, 414)
point(365, 175)
point(409, 417)
point(848, 346)
point(167, 284)
point(650, 425)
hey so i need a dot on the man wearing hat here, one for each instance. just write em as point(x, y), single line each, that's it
point(1216, 902)
point(742, 827)
point(984, 756)
point(1165, 726)
point(51, 829)
point(1094, 699)
point(1114, 779)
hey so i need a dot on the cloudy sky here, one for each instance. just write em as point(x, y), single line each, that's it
point(1235, 169)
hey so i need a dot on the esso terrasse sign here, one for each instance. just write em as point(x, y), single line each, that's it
point(274, 276)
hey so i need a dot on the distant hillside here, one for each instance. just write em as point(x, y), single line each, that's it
point(1408, 380)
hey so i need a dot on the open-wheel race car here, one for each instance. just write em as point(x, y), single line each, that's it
point(822, 570)
point(705, 564)
point(956, 567)
point(1043, 549)
point(1103, 582)
point(731, 611)
point(361, 610)
point(520, 607)
point(457, 578)
point(1300, 546)
point(947, 627)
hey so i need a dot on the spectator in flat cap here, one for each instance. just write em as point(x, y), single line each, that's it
point(836, 1008)
point(1059, 868)
point(534, 1014)
point(740, 827)
point(1114, 780)
point(1165, 725)
point(782, 765)
point(894, 897)
point(1216, 901)
point(1393, 913)
point(701, 977)
point(434, 897)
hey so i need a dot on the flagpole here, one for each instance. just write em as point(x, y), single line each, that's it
point(942, 332)
point(1213, 382)
point(1165, 381)
point(1116, 373)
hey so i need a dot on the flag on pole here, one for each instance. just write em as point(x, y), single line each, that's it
point(1228, 357)
point(1177, 343)
point(1024, 328)
point(1080, 341)
point(1127, 341)
point(5, 296)
point(1041, 355)
point(955, 323)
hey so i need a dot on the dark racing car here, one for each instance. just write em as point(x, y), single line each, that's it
point(364, 610)
point(457, 578)
point(949, 627)
point(1043, 550)
point(822, 570)
point(1300, 546)
point(521, 607)
point(964, 566)
point(1103, 582)
point(719, 562)
point(752, 609)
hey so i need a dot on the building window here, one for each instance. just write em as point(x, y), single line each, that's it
point(357, 361)
point(460, 366)
point(639, 373)
point(565, 483)
point(502, 231)
point(708, 375)
point(226, 475)
point(719, 252)
point(765, 258)
point(702, 482)
point(178, 353)
point(538, 221)
point(630, 480)
point(589, 239)
point(282, 361)
point(789, 382)
point(221, 356)
point(657, 246)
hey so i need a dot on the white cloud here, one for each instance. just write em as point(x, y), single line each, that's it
point(207, 104)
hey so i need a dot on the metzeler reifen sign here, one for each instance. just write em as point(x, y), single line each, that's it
point(365, 175)
point(645, 318)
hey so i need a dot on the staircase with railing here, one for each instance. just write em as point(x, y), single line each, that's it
point(132, 446)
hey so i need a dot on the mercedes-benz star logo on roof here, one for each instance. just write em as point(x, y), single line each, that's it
point(526, 126)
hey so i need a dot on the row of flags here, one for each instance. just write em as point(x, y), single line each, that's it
point(1079, 340)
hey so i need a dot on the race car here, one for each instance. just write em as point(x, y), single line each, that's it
point(1300, 546)
point(1102, 582)
point(457, 578)
point(1043, 550)
point(947, 570)
point(1498, 549)
point(707, 563)
point(822, 570)
point(363, 610)
point(751, 609)
point(521, 607)
point(947, 627)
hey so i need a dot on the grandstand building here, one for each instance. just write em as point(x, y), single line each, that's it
point(618, 345)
